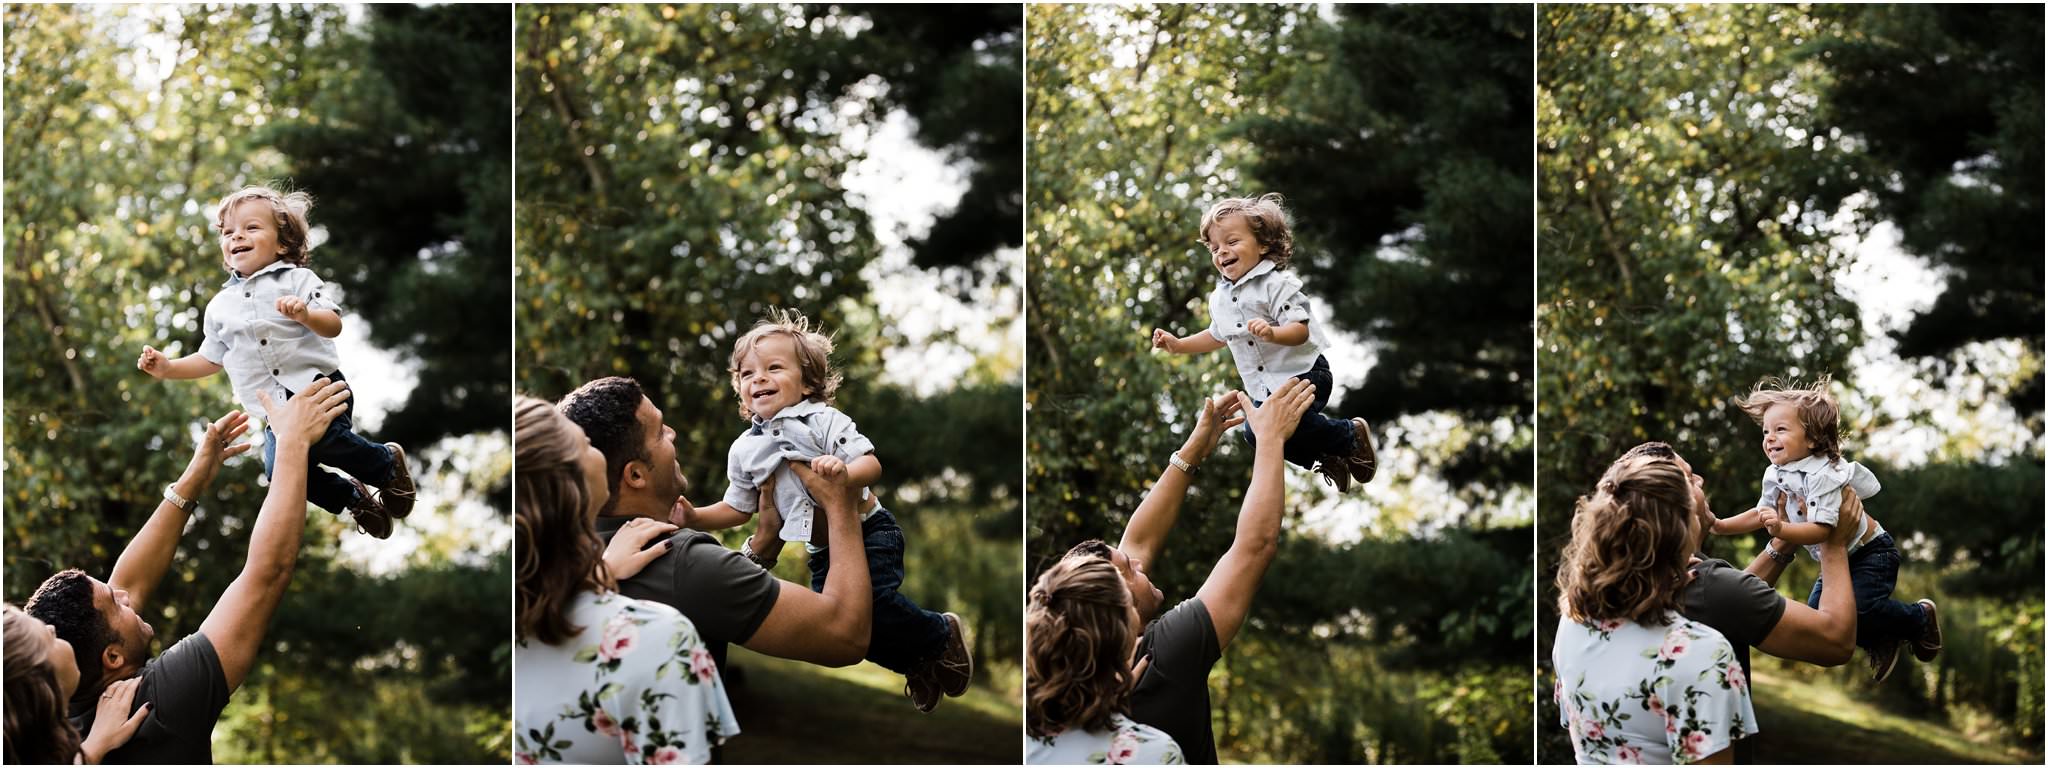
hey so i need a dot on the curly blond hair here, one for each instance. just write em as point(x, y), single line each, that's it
point(288, 209)
point(1077, 637)
point(1631, 539)
point(813, 355)
point(1264, 217)
point(1819, 414)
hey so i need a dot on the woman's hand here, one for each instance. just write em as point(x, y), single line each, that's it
point(628, 553)
point(109, 728)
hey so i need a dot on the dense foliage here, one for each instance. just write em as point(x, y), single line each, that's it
point(123, 126)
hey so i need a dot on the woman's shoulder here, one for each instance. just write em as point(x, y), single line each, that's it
point(612, 607)
point(1136, 743)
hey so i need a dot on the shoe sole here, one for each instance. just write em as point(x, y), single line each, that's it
point(966, 675)
point(1921, 650)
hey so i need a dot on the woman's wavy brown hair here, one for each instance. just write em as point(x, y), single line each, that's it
point(37, 730)
point(1629, 547)
point(1078, 643)
point(559, 553)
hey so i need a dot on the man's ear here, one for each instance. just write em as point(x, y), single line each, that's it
point(111, 657)
point(634, 475)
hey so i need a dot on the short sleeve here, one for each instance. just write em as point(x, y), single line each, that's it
point(1289, 304)
point(317, 293)
point(212, 347)
point(1217, 315)
point(740, 494)
point(1824, 496)
point(186, 687)
point(1735, 602)
point(1862, 481)
point(672, 708)
point(841, 436)
point(1134, 744)
point(1705, 693)
point(731, 594)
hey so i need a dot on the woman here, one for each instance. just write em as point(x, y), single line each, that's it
point(1637, 682)
point(1081, 629)
point(42, 673)
point(599, 678)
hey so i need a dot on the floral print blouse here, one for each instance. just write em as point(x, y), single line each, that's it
point(1631, 693)
point(1125, 743)
point(635, 686)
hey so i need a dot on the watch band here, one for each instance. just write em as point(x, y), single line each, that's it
point(171, 495)
point(1182, 464)
point(747, 551)
point(1783, 558)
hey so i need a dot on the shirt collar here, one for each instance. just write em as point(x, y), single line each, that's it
point(1811, 463)
point(275, 266)
point(1265, 265)
point(801, 409)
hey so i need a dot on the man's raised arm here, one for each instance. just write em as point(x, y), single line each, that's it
point(830, 628)
point(241, 618)
point(1145, 534)
point(1230, 587)
point(1828, 636)
point(147, 558)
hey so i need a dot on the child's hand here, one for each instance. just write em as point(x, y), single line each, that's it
point(292, 307)
point(1260, 328)
point(153, 362)
point(1166, 341)
point(1773, 517)
point(829, 467)
point(682, 512)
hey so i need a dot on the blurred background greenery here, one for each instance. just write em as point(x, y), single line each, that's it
point(1732, 192)
point(1394, 626)
point(685, 168)
point(124, 124)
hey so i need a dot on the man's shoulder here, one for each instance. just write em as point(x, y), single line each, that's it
point(1732, 601)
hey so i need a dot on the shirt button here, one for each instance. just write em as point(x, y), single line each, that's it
point(260, 342)
point(273, 371)
point(246, 294)
point(1262, 367)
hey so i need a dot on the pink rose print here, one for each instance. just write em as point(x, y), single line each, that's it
point(1675, 646)
point(667, 756)
point(1695, 745)
point(627, 742)
point(620, 637)
point(1122, 749)
point(1594, 730)
point(1629, 755)
point(1735, 678)
point(1656, 704)
point(526, 759)
point(1610, 625)
point(701, 664)
point(604, 722)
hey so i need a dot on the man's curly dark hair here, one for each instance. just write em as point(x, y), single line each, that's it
point(607, 411)
point(64, 601)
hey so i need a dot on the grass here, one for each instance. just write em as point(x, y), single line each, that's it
point(1817, 723)
point(792, 712)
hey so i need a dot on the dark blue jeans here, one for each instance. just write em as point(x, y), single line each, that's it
point(1317, 435)
point(903, 634)
point(341, 448)
point(1873, 574)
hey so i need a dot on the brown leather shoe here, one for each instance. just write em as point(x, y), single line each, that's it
point(1928, 644)
point(1363, 462)
point(370, 513)
point(923, 692)
point(1884, 657)
point(954, 668)
point(398, 495)
point(1336, 471)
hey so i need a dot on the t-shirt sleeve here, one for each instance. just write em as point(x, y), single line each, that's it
point(1289, 304)
point(186, 687)
point(672, 707)
point(1735, 602)
point(1183, 644)
point(1710, 692)
point(212, 347)
point(739, 494)
point(841, 436)
point(724, 592)
point(317, 293)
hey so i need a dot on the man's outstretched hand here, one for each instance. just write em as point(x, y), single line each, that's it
point(1276, 420)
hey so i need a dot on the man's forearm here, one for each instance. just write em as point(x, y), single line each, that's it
point(142, 565)
point(1769, 568)
point(847, 584)
point(1838, 599)
point(1145, 534)
point(281, 524)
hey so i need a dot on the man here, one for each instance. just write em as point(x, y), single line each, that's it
point(188, 686)
point(728, 597)
point(1743, 605)
point(1178, 648)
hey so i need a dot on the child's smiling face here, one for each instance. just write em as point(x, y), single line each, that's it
point(1232, 248)
point(1785, 438)
point(248, 237)
point(770, 377)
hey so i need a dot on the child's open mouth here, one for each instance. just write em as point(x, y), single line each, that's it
point(1226, 265)
point(240, 249)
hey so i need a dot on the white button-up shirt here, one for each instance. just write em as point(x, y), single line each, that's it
point(803, 431)
point(1821, 482)
point(260, 348)
point(1274, 296)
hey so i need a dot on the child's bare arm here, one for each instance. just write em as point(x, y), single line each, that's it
point(864, 471)
point(1803, 533)
point(1292, 334)
point(325, 322)
point(191, 366)
point(1200, 343)
point(716, 517)
point(1742, 523)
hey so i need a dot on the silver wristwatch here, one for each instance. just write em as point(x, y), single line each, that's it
point(171, 495)
point(1182, 464)
point(1783, 558)
point(747, 551)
